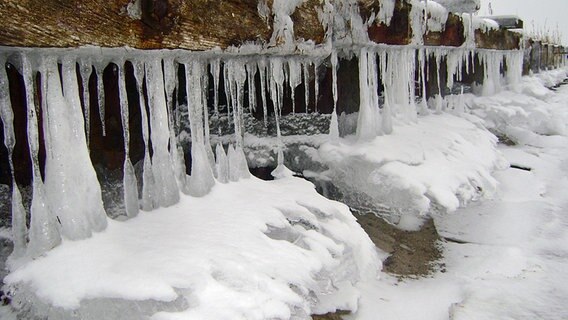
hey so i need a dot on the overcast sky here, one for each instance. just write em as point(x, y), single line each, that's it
point(541, 12)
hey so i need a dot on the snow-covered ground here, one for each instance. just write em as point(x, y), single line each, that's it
point(508, 256)
point(248, 250)
point(257, 249)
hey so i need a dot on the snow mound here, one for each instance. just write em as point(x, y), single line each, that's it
point(289, 253)
point(441, 160)
point(533, 110)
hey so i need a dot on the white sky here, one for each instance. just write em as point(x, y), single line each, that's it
point(542, 12)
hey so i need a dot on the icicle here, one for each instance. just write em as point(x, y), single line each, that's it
point(207, 141)
point(438, 57)
point(233, 163)
point(43, 234)
point(222, 164)
point(387, 81)
point(130, 184)
point(236, 78)
point(228, 92)
point(72, 189)
point(514, 61)
point(238, 168)
point(18, 212)
point(215, 65)
point(99, 69)
point(492, 62)
point(334, 125)
point(176, 152)
point(294, 79)
point(276, 92)
point(85, 69)
point(422, 59)
point(366, 122)
point(148, 202)
point(201, 180)
point(251, 71)
point(306, 85)
point(262, 70)
point(276, 88)
point(316, 87)
point(167, 192)
point(373, 79)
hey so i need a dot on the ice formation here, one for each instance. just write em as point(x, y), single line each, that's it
point(18, 212)
point(68, 205)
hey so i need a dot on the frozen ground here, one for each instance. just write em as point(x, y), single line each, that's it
point(507, 257)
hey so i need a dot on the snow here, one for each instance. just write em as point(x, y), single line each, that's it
point(510, 258)
point(441, 158)
point(292, 242)
point(461, 6)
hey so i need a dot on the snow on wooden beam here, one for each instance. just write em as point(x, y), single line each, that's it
point(508, 22)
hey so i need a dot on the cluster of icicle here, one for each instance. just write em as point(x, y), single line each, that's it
point(67, 203)
point(396, 69)
point(71, 189)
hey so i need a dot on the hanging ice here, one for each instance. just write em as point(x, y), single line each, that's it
point(99, 68)
point(71, 185)
point(166, 192)
point(251, 86)
point(85, 69)
point(18, 212)
point(367, 126)
point(176, 151)
point(334, 125)
point(232, 160)
point(294, 79)
point(262, 71)
point(492, 62)
point(306, 85)
point(222, 165)
point(148, 201)
point(44, 233)
point(201, 180)
point(236, 77)
point(130, 185)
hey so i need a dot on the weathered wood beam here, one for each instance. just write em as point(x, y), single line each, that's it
point(145, 24)
point(201, 24)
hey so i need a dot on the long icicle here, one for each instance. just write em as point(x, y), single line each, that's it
point(166, 185)
point(18, 212)
point(79, 206)
point(316, 87)
point(130, 184)
point(176, 156)
point(206, 129)
point(306, 85)
point(43, 234)
point(201, 180)
point(99, 69)
point(148, 201)
point(262, 70)
point(85, 69)
point(334, 125)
